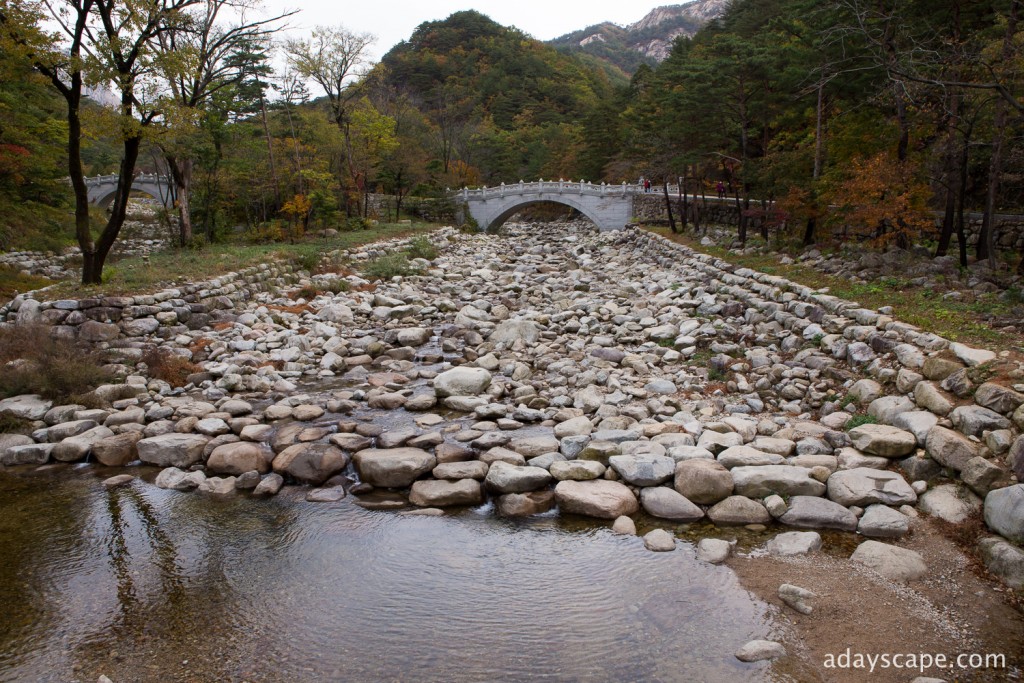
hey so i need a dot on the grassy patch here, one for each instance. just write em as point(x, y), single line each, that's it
point(861, 419)
point(957, 320)
point(180, 266)
point(422, 247)
point(34, 362)
point(13, 283)
point(387, 266)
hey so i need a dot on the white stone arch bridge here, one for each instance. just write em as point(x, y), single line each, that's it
point(610, 207)
point(103, 188)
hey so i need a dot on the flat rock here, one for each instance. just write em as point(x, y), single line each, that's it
point(1004, 560)
point(951, 502)
point(393, 468)
point(738, 511)
point(893, 563)
point(239, 458)
point(643, 469)
point(525, 504)
point(505, 478)
point(949, 448)
point(1004, 512)
point(435, 493)
point(577, 470)
point(791, 543)
point(704, 482)
point(25, 407)
point(310, 463)
point(785, 480)
point(760, 650)
point(880, 521)
point(172, 450)
point(462, 381)
point(810, 512)
point(883, 440)
point(747, 456)
point(331, 494)
point(864, 486)
point(600, 498)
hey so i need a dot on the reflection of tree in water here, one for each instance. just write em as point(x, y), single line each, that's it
point(172, 562)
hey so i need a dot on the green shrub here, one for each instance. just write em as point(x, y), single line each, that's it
point(35, 362)
point(861, 419)
point(356, 223)
point(387, 267)
point(422, 247)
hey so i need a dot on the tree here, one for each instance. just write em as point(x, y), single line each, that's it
point(108, 42)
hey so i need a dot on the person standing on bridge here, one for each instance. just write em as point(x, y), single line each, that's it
point(647, 184)
point(720, 187)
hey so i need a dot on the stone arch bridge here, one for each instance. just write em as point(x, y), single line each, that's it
point(610, 207)
point(103, 188)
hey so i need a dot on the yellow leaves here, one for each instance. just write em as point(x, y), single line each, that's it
point(299, 205)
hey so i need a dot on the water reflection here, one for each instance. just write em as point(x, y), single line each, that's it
point(143, 584)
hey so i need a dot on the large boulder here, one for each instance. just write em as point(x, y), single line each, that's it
point(811, 512)
point(883, 440)
point(172, 450)
point(462, 381)
point(951, 502)
point(895, 564)
point(525, 504)
point(881, 521)
point(865, 486)
point(785, 480)
point(25, 407)
point(747, 456)
point(239, 458)
point(643, 469)
point(974, 420)
point(310, 463)
point(77, 447)
point(12, 440)
point(511, 331)
point(704, 482)
point(599, 498)
point(27, 454)
point(434, 493)
point(998, 398)
point(949, 448)
point(666, 503)
point(577, 470)
point(393, 468)
point(793, 543)
point(1004, 512)
point(1004, 560)
point(505, 478)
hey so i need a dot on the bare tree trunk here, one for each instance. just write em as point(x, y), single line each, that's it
point(668, 205)
point(181, 173)
point(683, 199)
point(270, 152)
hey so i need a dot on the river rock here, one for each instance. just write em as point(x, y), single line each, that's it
point(659, 541)
point(950, 502)
point(172, 450)
point(310, 463)
point(512, 331)
point(473, 469)
point(525, 504)
point(933, 399)
point(625, 526)
point(25, 407)
point(738, 511)
point(80, 446)
point(917, 422)
point(879, 521)
point(1004, 560)
point(600, 498)
point(533, 446)
point(217, 485)
point(394, 468)
point(434, 493)
point(998, 398)
point(810, 512)
point(759, 650)
point(1004, 512)
point(28, 454)
point(577, 470)
point(791, 543)
point(239, 458)
point(975, 420)
point(704, 482)
point(785, 480)
point(883, 440)
point(644, 469)
point(666, 503)
point(864, 486)
point(714, 550)
point(269, 485)
point(893, 563)
point(747, 456)
point(505, 478)
point(462, 381)
point(949, 448)
point(330, 494)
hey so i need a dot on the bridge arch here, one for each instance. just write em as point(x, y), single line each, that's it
point(610, 207)
point(102, 189)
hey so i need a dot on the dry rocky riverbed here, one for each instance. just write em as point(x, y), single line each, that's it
point(622, 378)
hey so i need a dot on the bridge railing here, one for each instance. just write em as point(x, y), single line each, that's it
point(141, 178)
point(550, 187)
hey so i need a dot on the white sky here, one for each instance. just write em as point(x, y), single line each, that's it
point(395, 20)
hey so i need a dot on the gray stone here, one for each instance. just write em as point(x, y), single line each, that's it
point(974, 420)
point(810, 512)
point(577, 426)
point(949, 448)
point(25, 407)
point(434, 493)
point(172, 450)
point(716, 442)
point(269, 485)
point(971, 356)
point(1004, 512)
point(738, 511)
point(865, 390)
point(998, 398)
point(793, 543)
point(981, 475)
point(511, 331)
point(659, 541)
point(796, 597)
point(748, 456)
point(666, 503)
point(625, 526)
point(393, 468)
point(66, 430)
point(864, 486)
point(917, 422)
point(600, 498)
point(505, 478)
point(247, 481)
point(759, 650)
point(1004, 560)
point(28, 454)
point(951, 502)
point(533, 446)
point(117, 450)
point(462, 381)
point(643, 469)
point(879, 521)
point(310, 463)
point(931, 398)
point(883, 440)
point(239, 458)
point(473, 469)
point(714, 550)
point(785, 480)
point(886, 408)
point(893, 563)
point(577, 470)
point(331, 494)
point(118, 480)
point(217, 485)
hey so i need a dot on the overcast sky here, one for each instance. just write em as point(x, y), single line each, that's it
point(394, 20)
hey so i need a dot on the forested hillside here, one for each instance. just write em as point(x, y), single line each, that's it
point(836, 120)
